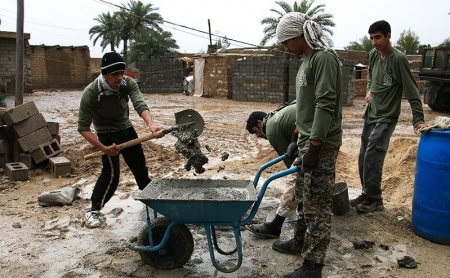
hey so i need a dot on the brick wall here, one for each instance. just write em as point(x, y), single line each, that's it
point(161, 75)
point(261, 78)
point(8, 63)
point(60, 67)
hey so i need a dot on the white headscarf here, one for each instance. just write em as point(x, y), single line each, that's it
point(295, 24)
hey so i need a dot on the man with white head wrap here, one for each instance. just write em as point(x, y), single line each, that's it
point(319, 120)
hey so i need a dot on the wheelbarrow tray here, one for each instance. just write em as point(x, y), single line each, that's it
point(199, 201)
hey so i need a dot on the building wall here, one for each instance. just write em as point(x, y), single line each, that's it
point(8, 64)
point(261, 79)
point(60, 67)
point(218, 76)
point(161, 75)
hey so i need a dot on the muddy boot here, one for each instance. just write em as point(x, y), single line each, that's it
point(358, 200)
point(309, 269)
point(291, 246)
point(370, 206)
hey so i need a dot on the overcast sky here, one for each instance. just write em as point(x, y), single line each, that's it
point(67, 23)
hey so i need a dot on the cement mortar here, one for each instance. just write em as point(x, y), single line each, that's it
point(189, 146)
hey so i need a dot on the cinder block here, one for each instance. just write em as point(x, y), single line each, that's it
point(27, 159)
point(34, 139)
point(16, 171)
point(59, 166)
point(53, 127)
point(5, 158)
point(45, 151)
point(19, 113)
point(29, 125)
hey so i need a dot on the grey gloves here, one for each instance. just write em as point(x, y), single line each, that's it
point(292, 150)
point(309, 160)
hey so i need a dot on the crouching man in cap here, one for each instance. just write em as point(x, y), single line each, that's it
point(105, 105)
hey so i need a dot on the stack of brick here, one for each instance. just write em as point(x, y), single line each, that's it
point(29, 138)
point(161, 75)
point(348, 85)
point(261, 79)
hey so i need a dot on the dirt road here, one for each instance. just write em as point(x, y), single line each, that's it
point(52, 241)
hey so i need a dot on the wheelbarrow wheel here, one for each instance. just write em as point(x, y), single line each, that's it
point(175, 253)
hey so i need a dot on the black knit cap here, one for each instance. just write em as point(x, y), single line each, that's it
point(112, 62)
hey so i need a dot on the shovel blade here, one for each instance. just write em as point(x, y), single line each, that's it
point(190, 116)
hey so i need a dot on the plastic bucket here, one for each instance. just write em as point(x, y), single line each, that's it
point(431, 199)
point(341, 203)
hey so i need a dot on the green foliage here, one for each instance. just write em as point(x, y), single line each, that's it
point(106, 31)
point(446, 42)
point(364, 44)
point(408, 42)
point(316, 13)
point(152, 43)
point(128, 24)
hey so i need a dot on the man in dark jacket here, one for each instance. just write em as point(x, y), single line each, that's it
point(105, 105)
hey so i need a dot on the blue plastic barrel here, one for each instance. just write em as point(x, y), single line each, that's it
point(431, 199)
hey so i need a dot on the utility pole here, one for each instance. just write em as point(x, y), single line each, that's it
point(19, 53)
point(209, 27)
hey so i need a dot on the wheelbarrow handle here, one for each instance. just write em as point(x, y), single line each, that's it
point(265, 166)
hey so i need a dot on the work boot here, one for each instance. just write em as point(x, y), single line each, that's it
point(370, 206)
point(309, 269)
point(358, 200)
point(291, 246)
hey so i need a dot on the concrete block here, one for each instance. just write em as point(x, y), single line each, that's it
point(19, 113)
point(5, 158)
point(16, 171)
point(29, 125)
point(34, 139)
point(45, 151)
point(27, 159)
point(53, 127)
point(59, 166)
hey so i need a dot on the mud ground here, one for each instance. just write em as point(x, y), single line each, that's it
point(53, 242)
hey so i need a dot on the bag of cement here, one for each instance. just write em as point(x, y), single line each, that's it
point(61, 197)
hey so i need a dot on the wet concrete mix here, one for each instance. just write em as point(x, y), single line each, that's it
point(189, 146)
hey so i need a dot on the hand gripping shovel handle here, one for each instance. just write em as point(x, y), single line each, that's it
point(131, 143)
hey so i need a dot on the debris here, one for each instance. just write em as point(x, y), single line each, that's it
point(225, 156)
point(363, 244)
point(407, 262)
point(220, 168)
point(61, 197)
point(208, 148)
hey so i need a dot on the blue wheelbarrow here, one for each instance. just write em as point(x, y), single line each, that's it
point(167, 243)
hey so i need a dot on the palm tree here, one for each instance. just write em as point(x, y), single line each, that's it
point(364, 44)
point(107, 31)
point(152, 43)
point(316, 13)
point(408, 42)
point(134, 19)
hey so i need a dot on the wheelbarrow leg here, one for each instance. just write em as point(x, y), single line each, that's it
point(237, 237)
point(214, 238)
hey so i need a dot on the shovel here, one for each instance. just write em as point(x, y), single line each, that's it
point(186, 120)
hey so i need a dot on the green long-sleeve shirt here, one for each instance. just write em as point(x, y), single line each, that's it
point(319, 100)
point(280, 130)
point(109, 113)
point(387, 79)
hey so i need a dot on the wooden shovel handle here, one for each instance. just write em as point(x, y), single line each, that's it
point(130, 143)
